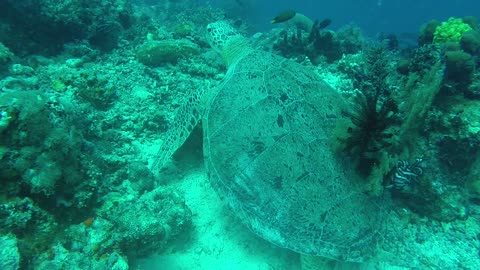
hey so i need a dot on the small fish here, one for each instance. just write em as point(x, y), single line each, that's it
point(240, 3)
point(89, 222)
point(324, 24)
point(284, 16)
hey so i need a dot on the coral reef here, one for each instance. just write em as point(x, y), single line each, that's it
point(38, 138)
point(459, 41)
point(147, 223)
point(75, 136)
point(132, 226)
point(45, 26)
point(9, 257)
point(318, 44)
point(430, 114)
point(5, 55)
point(470, 42)
point(88, 87)
point(57, 259)
point(427, 32)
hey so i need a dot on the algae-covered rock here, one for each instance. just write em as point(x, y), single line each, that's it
point(146, 224)
point(157, 53)
point(9, 256)
point(45, 26)
point(473, 182)
point(5, 55)
point(58, 257)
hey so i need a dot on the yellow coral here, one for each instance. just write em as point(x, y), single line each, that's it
point(450, 31)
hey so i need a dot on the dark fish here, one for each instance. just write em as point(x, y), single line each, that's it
point(240, 3)
point(238, 23)
point(324, 24)
point(284, 16)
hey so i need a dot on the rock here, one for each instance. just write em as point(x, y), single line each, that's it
point(157, 53)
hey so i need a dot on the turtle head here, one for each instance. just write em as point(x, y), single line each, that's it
point(230, 44)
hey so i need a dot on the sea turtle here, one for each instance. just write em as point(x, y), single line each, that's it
point(267, 131)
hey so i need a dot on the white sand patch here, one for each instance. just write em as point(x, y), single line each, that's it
point(219, 240)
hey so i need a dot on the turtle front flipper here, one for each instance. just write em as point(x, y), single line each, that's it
point(186, 118)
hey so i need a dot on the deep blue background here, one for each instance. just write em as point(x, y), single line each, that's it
point(373, 16)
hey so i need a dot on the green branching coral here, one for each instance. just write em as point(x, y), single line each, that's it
point(450, 31)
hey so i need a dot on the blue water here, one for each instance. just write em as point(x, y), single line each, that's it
point(373, 16)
